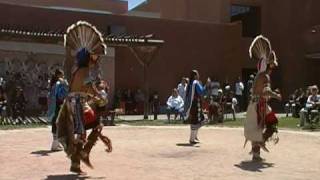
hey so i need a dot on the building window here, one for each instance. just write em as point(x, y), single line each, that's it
point(250, 16)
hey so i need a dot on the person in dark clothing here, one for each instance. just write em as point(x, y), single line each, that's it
point(155, 104)
point(193, 106)
point(18, 103)
point(3, 102)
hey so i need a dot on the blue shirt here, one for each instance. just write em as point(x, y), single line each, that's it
point(56, 96)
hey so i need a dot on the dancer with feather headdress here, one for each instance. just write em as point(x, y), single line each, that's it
point(84, 45)
point(261, 123)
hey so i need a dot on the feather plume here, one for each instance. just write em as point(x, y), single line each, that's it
point(260, 48)
point(273, 58)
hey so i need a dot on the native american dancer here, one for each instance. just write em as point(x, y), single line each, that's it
point(84, 45)
point(261, 123)
point(193, 106)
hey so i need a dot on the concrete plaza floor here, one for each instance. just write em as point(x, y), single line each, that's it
point(143, 153)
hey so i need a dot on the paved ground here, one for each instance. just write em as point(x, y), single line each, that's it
point(143, 153)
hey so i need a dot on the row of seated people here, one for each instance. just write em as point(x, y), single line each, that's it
point(297, 101)
point(15, 105)
point(304, 105)
point(131, 102)
point(214, 106)
point(310, 112)
point(218, 106)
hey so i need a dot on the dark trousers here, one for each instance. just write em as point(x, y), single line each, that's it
point(54, 120)
point(240, 102)
point(174, 111)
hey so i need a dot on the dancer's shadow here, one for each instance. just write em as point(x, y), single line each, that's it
point(188, 145)
point(43, 152)
point(71, 177)
point(254, 166)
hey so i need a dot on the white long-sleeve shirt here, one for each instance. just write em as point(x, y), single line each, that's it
point(312, 100)
point(175, 102)
point(239, 88)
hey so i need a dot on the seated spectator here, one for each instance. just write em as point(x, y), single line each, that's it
point(312, 106)
point(3, 102)
point(303, 111)
point(313, 102)
point(215, 113)
point(299, 98)
point(175, 105)
point(230, 103)
point(290, 105)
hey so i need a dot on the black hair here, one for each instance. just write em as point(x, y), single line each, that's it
point(55, 77)
point(193, 75)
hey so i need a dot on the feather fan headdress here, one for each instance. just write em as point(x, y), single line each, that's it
point(260, 50)
point(83, 35)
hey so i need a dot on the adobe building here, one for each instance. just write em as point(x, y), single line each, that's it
point(292, 26)
point(101, 6)
point(212, 36)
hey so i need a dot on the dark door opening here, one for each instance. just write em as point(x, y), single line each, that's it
point(250, 16)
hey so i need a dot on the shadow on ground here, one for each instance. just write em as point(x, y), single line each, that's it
point(187, 145)
point(43, 152)
point(254, 166)
point(71, 177)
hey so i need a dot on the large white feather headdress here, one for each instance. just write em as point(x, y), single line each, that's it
point(261, 51)
point(84, 35)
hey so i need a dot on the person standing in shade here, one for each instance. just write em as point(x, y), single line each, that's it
point(239, 87)
point(57, 94)
point(182, 88)
point(216, 86)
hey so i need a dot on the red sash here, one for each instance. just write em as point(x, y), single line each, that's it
point(263, 118)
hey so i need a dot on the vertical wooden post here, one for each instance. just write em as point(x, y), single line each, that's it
point(146, 92)
point(145, 60)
